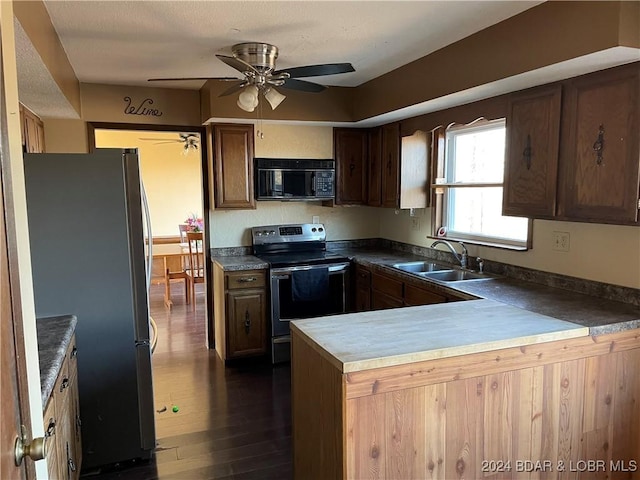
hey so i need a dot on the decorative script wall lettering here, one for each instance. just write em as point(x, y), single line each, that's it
point(143, 109)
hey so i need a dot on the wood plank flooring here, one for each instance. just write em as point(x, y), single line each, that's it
point(232, 423)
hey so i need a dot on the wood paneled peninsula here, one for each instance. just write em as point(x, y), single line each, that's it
point(463, 390)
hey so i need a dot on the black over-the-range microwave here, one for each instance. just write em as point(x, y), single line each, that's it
point(291, 179)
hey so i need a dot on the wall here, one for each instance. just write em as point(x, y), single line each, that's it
point(604, 253)
point(172, 179)
point(230, 228)
point(65, 136)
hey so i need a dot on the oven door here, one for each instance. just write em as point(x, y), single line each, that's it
point(284, 308)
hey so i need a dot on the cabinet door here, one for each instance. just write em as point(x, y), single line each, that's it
point(381, 301)
point(600, 150)
point(390, 165)
point(350, 151)
point(51, 429)
point(421, 296)
point(374, 187)
point(233, 165)
point(533, 136)
point(247, 323)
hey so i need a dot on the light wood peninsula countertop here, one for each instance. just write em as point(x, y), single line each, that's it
point(362, 341)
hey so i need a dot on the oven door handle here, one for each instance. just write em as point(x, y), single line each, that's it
point(282, 273)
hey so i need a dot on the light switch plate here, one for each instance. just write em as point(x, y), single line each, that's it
point(561, 241)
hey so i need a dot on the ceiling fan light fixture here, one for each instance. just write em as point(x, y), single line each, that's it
point(274, 97)
point(248, 99)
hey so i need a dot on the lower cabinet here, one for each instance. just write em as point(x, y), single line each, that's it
point(240, 311)
point(62, 422)
point(377, 291)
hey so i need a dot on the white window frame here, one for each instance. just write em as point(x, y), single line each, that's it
point(445, 185)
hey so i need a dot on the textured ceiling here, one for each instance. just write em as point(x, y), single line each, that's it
point(127, 42)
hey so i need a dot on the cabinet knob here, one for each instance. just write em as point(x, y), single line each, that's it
point(36, 449)
point(65, 384)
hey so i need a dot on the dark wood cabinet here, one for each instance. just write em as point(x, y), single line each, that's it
point(390, 179)
point(398, 168)
point(600, 147)
point(240, 313)
point(533, 135)
point(421, 296)
point(374, 190)
point(247, 327)
point(363, 289)
point(233, 166)
point(350, 153)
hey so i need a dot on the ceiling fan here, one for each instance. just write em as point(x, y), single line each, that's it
point(257, 63)
point(190, 141)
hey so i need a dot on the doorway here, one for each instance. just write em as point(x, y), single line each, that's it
point(173, 170)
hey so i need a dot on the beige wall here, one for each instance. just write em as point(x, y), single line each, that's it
point(230, 228)
point(108, 103)
point(65, 136)
point(172, 180)
point(604, 253)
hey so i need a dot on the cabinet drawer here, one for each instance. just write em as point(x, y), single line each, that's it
point(381, 301)
point(51, 433)
point(387, 285)
point(251, 279)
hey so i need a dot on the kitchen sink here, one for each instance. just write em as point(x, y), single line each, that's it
point(420, 267)
point(455, 276)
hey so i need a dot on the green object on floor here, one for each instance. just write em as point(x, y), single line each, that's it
point(175, 409)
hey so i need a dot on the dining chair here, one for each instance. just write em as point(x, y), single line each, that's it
point(195, 267)
point(183, 228)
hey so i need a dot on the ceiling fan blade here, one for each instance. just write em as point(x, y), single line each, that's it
point(237, 63)
point(226, 79)
point(156, 139)
point(234, 89)
point(317, 70)
point(303, 86)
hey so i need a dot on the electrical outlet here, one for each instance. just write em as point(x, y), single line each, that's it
point(415, 224)
point(315, 219)
point(561, 241)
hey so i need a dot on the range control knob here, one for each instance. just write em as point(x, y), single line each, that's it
point(272, 232)
point(258, 234)
point(320, 229)
point(313, 229)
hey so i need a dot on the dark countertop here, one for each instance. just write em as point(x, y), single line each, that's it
point(239, 262)
point(600, 315)
point(54, 336)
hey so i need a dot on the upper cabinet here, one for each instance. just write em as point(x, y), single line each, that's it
point(350, 152)
point(390, 148)
point(398, 168)
point(530, 176)
point(573, 149)
point(233, 166)
point(600, 147)
point(32, 131)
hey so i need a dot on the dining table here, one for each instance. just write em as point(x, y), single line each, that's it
point(169, 263)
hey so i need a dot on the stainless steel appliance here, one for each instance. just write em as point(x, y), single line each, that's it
point(87, 243)
point(289, 179)
point(306, 279)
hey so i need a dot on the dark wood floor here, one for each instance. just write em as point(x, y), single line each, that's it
point(232, 423)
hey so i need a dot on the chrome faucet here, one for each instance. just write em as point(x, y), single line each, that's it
point(463, 258)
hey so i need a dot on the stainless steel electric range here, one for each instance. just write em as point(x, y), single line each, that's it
point(306, 279)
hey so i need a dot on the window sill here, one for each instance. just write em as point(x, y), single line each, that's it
point(466, 241)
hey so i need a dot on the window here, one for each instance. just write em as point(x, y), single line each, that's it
point(472, 187)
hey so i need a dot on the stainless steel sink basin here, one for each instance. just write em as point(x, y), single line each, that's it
point(455, 276)
point(420, 267)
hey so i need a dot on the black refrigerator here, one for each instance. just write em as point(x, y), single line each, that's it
point(88, 257)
